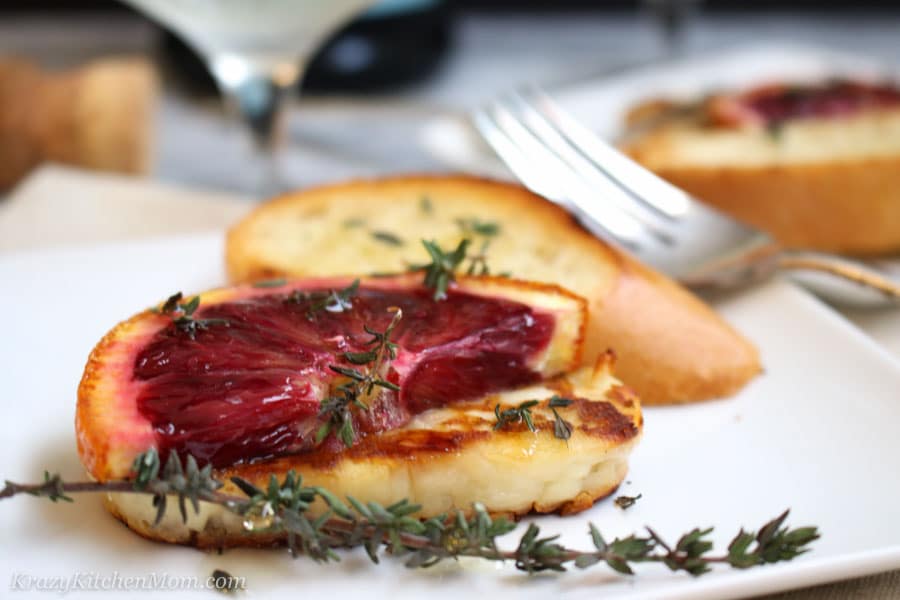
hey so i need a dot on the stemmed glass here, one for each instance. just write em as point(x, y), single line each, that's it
point(671, 19)
point(257, 51)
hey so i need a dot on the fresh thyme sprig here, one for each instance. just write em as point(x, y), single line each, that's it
point(186, 481)
point(471, 228)
point(334, 301)
point(562, 429)
point(441, 271)
point(515, 415)
point(182, 314)
point(478, 262)
point(444, 265)
point(361, 383)
point(283, 507)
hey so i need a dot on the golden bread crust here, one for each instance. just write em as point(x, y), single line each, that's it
point(671, 346)
point(825, 184)
point(850, 207)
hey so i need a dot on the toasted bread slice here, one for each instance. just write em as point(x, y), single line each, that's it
point(830, 183)
point(671, 347)
point(446, 459)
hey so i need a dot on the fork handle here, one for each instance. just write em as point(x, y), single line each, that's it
point(843, 268)
point(838, 279)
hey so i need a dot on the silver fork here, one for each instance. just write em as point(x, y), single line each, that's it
point(619, 200)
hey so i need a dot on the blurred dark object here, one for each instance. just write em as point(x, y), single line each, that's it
point(393, 45)
point(391, 48)
point(530, 5)
point(711, 5)
point(671, 18)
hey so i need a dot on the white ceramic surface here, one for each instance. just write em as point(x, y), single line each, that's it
point(816, 433)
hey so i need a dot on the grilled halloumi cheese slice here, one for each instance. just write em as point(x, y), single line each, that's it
point(446, 459)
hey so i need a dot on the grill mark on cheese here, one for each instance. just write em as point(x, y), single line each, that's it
point(604, 420)
point(464, 427)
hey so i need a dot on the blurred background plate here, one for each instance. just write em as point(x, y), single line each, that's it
point(601, 101)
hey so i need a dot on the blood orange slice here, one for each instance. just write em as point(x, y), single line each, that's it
point(241, 379)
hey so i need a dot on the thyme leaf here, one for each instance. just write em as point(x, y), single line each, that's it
point(474, 226)
point(561, 428)
point(557, 401)
point(386, 237)
point(191, 307)
point(359, 358)
point(441, 271)
point(283, 506)
point(353, 223)
point(336, 409)
point(444, 265)
point(478, 262)
point(624, 502)
point(170, 305)
point(182, 314)
point(515, 415)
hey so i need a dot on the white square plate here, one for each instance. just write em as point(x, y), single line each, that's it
point(816, 433)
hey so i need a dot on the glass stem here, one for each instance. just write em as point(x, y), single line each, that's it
point(672, 19)
point(259, 96)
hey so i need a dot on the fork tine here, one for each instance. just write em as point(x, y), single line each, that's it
point(699, 238)
point(544, 172)
point(645, 187)
point(607, 189)
point(514, 158)
point(556, 156)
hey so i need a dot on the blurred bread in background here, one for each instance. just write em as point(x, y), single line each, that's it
point(817, 166)
point(98, 116)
